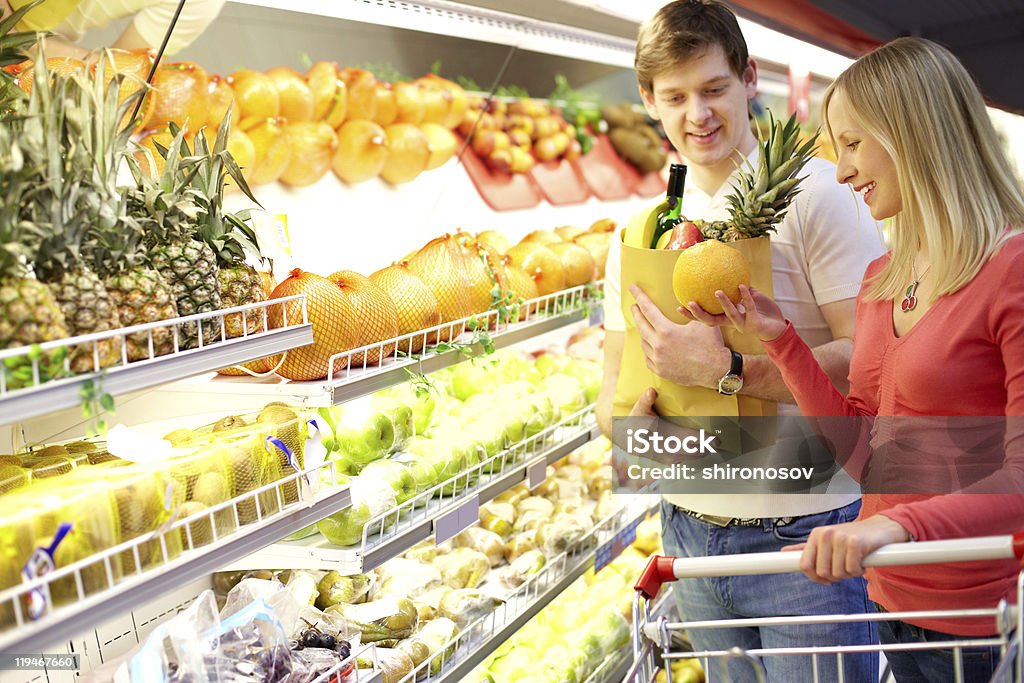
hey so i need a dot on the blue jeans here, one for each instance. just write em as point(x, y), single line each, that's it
point(769, 596)
point(934, 666)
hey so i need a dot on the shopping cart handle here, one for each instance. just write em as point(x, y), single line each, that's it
point(987, 548)
point(659, 570)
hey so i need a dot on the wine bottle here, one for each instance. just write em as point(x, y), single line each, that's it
point(671, 215)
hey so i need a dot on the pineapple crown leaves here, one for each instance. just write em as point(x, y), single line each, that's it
point(228, 234)
point(70, 132)
point(763, 192)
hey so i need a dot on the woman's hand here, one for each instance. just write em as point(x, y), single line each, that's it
point(834, 553)
point(756, 314)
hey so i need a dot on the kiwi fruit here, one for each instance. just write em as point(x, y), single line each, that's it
point(229, 422)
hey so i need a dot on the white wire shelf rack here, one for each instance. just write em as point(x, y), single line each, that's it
point(617, 664)
point(29, 387)
point(91, 590)
point(478, 640)
point(396, 530)
point(472, 23)
point(383, 364)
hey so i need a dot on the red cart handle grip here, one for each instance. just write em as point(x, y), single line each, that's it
point(658, 571)
point(1018, 546)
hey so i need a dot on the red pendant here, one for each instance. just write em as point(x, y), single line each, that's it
point(910, 301)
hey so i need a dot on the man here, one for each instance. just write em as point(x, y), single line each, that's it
point(696, 77)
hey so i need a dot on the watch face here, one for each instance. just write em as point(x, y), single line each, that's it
point(730, 384)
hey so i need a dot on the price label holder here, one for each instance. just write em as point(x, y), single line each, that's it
point(537, 473)
point(613, 547)
point(596, 315)
point(458, 518)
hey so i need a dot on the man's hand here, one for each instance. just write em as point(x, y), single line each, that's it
point(644, 406)
point(690, 355)
point(834, 553)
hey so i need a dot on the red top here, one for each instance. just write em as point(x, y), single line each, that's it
point(965, 356)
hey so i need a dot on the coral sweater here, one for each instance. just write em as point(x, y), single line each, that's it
point(965, 356)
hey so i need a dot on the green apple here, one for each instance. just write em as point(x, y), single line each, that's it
point(588, 373)
point(370, 497)
point(420, 467)
point(326, 424)
point(472, 377)
point(509, 365)
point(447, 459)
point(566, 393)
point(516, 389)
point(396, 474)
point(401, 416)
point(363, 433)
point(548, 364)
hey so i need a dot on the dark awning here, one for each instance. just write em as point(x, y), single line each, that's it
point(987, 35)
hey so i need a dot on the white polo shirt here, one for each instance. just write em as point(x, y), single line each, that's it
point(151, 19)
point(820, 251)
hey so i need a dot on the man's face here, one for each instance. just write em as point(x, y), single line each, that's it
point(703, 106)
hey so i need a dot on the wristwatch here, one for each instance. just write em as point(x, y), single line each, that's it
point(732, 381)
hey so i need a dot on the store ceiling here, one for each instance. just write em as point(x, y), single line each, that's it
point(987, 35)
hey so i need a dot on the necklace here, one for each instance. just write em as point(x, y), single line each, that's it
point(910, 299)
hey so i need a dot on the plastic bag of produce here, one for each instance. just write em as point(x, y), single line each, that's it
point(519, 544)
point(370, 498)
point(535, 504)
point(403, 577)
point(394, 664)
point(557, 536)
point(427, 603)
point(513, 495)
point(385, 619)
point(430, 641)
point(401, 417)
point(451, 454)
point(421, 468)
point(521, 568)
point(482, 540)
point(363, 432)
point(398, 476)
point(498, 517)
point(463, 567)
point(334, 588)
point(466, 605)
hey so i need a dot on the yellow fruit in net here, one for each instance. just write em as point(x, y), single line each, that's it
point(705, 268)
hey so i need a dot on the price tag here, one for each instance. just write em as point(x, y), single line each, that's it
point(458, 518)
point(537, 473)
point(613, 547)
point(40, 563)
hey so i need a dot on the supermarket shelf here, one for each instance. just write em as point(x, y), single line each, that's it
point(482, 637)
point(615, 667)
point(43, 397)
point(473, 23)
point(396, 530)
point(353, 376)
point(58, 623)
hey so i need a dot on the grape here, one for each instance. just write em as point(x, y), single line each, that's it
point(328, 641)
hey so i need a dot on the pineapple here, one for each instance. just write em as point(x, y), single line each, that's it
point(168, 212)
point(762, 194)
point(229, 235)
point(72, 151)
point(28, 312)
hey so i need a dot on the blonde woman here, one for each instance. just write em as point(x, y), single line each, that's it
point(939, 332)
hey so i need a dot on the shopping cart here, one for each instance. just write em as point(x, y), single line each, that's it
point(651, 637)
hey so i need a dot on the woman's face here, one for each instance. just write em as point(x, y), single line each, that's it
point(863, 162)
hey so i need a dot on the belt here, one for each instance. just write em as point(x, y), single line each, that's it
point(716, 520)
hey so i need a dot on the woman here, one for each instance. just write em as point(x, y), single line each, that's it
point(940, 332)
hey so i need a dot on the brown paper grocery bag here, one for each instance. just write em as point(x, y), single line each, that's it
point(652, 270)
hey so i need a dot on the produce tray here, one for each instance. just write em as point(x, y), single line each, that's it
point(501, 191)
point(118, 597)
point(479, 639)
point(43, 397)
point(347, 382)
point(394, 531)
point(560, 182)
point(607, 175)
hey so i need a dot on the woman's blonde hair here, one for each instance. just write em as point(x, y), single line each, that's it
point(958, 188)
